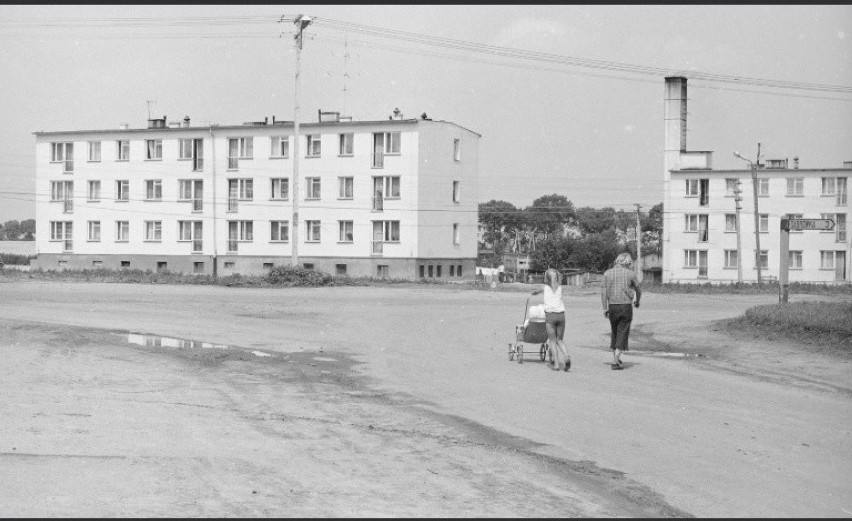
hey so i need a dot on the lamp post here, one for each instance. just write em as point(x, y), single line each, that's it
point(301, 22)
point(756, 212)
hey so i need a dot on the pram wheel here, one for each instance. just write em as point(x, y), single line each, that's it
point(519, 351)
point(511, 352)
point(542, 352)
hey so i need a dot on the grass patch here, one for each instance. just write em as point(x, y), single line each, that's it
point(826, 325)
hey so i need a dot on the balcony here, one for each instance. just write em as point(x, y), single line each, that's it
point(233, 163)
point(703, 235)
point(68, 205)
point(197, 246)
point(67, 246)
point(198, 164)
point(232, 246)
point(378, 248)
point(233, 205)
point(197, 205)
point(378, 160)
point(68, 166)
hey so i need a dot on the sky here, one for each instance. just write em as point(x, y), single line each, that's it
point(592, 134)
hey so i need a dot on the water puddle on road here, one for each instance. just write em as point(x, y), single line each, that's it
point(666, 354)
point(143, 339)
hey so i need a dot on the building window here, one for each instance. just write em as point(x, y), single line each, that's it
point(280, 231)
point(839, 225)
point(123, 150)
point(690, 258)
point(346, 187)
point(125, 264)
point(308, 265)
point(94, 231)
point(730, 222)
point(312, 187)
point(97, 264)
point(382, 271)
point(192, 190)
point(795, 260)
point(63, 153)
point(826, 260)
point(154, 149)
point(280, 188)
point(431, 271)
point(438, 271)
point(154, 230)
point(280, 147)
point(122, 190)
point(422, 271)
point(242, 189)
point(452, 270)
point(795, 186)
point(153, 190)
point(703, 192)
point(313, 229)
point(229, 265)
point(763, 187)
point(314, 145)
point(239, 231)
point(456, 191)
point(122, 231)
point(94, 193)
point(192, 149)
point(162, 266)
point(346, 144)
point(692, 187)
point(198, 267)
point(763, 223)
point(340, 269)
point(346, 231)
point(457, 149)
point(267, 266)
point(829, 186)
point(385, 143)
point(386, 187)
point(731, 259)
point(386, 231)
point(239, 148)
point(191, 231)
point(61, 190)
point(840, 197)
point(94, 150)
point(392, 143)
point(456, 237)
point(763, 259)
point(731, 186)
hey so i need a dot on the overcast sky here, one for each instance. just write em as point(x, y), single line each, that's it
point(594, 135)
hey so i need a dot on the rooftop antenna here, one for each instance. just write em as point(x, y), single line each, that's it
point(149, 101)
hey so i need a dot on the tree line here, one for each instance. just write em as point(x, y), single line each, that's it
point(558, 235)
point(18, 231)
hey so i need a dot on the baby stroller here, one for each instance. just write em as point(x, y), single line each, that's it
point(530, 332)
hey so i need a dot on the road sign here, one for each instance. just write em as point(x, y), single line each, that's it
point(809, 224)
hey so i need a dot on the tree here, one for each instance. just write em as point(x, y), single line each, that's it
point(27, 229)
point(594, 220)
point(652, 230)
point(11, 230)
point(596, 251)
point(549, 215)
point(553, 252)
point(498, 220)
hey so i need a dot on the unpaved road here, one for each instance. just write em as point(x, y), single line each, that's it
point(412, 408)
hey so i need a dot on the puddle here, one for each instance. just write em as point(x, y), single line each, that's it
point(146, 340)
point(664, 354)
point(324, 359)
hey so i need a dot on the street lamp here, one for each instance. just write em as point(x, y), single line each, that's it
point(753, 167)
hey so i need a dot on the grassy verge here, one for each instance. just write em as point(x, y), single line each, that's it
point(827, 326)
point(752, 288)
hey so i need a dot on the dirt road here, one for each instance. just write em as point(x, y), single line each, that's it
point(412, 408)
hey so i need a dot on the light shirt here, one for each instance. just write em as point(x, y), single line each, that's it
point(553, 300)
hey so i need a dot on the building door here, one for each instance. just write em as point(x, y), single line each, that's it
point(840, 266)
point(702, 263)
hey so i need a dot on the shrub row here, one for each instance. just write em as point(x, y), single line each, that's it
point(16, 259)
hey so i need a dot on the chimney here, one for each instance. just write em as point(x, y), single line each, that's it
point(675, 114)
point(397, 114)
point(273, 119)
point(124, 126)
point(186, 121)
point(796, 163)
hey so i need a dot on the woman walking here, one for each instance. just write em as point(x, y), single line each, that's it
point(554, 316)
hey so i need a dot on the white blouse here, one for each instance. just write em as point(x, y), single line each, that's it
point(553, 300)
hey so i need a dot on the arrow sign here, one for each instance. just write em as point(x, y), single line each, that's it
point(809, 224)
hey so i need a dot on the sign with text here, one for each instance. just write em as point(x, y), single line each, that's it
point(807, 224)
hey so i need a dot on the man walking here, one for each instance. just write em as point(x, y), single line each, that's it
point(617, 296)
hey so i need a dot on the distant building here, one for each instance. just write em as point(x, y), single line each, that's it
point(396, 198)
point(699, 231)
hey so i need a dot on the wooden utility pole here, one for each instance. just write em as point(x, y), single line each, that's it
point(756, 216)
point(638, 244)
point(301, 22)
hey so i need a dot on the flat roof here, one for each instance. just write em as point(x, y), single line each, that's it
point(277, 124)
point(760, 170)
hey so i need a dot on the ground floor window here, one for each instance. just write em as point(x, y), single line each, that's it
point(162, 266)
point(795, 260)
point(422, 271)
point(267, 265)
point(198, 267)
point(731, 259)
point(308, 265)
point(125, 264)
point(438, 270)
point(97, 264)
point(382, 271)
point(452, 270)
point(229, 265)
point(459, 270)
point(340, 269)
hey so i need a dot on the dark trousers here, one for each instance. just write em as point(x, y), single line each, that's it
point(620, 316)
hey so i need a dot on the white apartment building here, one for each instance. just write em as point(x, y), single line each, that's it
point(700, 221)
point(388, 199)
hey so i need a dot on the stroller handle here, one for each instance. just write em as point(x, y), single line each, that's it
point(526, 310)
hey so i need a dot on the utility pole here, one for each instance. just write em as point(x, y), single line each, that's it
point(754, 166)
point(638, 244)
point(737, 200)
point(301, 22)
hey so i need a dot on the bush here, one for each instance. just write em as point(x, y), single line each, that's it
point(16, 259)
point(297, 276)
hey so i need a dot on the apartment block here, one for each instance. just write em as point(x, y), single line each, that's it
point(700, 204)
point(392, 198)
